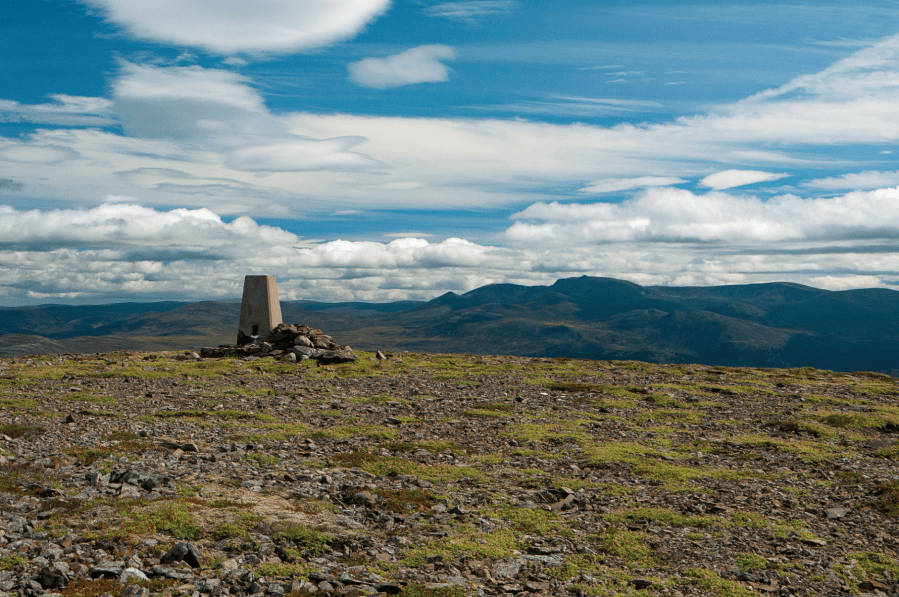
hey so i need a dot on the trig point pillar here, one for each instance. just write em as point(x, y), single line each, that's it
point(260, 310)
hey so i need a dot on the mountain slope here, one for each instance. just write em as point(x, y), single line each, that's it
point(767, 325)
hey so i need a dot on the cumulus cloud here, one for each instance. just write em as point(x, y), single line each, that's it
point(416, 65)
point(676, 215)
point(273, 26)
point(611, 185)
point(470, 11)
point(728, 179)
point(131, 224)
point(123, 249)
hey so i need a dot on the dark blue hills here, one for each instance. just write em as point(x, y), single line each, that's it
point(765, 325)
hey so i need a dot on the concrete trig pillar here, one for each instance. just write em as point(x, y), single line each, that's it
point(260, 310)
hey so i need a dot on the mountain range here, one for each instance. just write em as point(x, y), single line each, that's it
point(759, 325)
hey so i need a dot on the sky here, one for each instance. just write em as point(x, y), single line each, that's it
point(384, 150)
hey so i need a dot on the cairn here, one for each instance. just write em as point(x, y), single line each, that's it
point(261, 332)
point(288, 342)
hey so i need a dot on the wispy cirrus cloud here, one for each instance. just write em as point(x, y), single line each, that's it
point(611, 185)
point(867, 180)
point(416, 65)
point(65, 110)
point(576, 106)
point(470, 11)
point(214, 125)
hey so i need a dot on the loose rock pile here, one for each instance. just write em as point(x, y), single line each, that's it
point(292, 343)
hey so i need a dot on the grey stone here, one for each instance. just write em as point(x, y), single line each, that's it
point(334, 357)
point(507, 569)
point(135, 591)
point(51, 578)
point(209, 585)
point(836, 513)
point(129, 477)
point(186, 552)
point(151, 483)
point(299, 584)
point(107, 570)
point(228, 565)
point(131, 573)
point(303, 351)
point(97, 479)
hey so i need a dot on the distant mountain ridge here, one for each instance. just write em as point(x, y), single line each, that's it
point(764, 325)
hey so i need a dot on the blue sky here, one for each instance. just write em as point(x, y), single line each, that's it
point(378, 150)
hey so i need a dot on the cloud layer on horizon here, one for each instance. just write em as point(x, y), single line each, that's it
point(120, 251)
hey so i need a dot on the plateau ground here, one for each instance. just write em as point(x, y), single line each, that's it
point(450, 475)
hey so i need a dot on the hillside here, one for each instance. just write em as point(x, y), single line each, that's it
point(759, 325)
point(134, 474)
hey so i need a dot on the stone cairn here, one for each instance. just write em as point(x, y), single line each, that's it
point(288, 342)
point(260, 310)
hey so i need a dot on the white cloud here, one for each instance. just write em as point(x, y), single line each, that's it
point(728, 179)
point(184, 102)
point(115, 250)
point(214, 126)
point(849, 282)
point(131, 224)
point(856, 180)
point(576, 106)
point(676, 215)
point(66, 110)
point(37, 154)
point(299, 155)
point(415, 65)
point(273, 26)
point(611, 185)
point(470, 11)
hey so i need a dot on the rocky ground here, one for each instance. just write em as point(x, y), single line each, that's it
point(130, 474)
